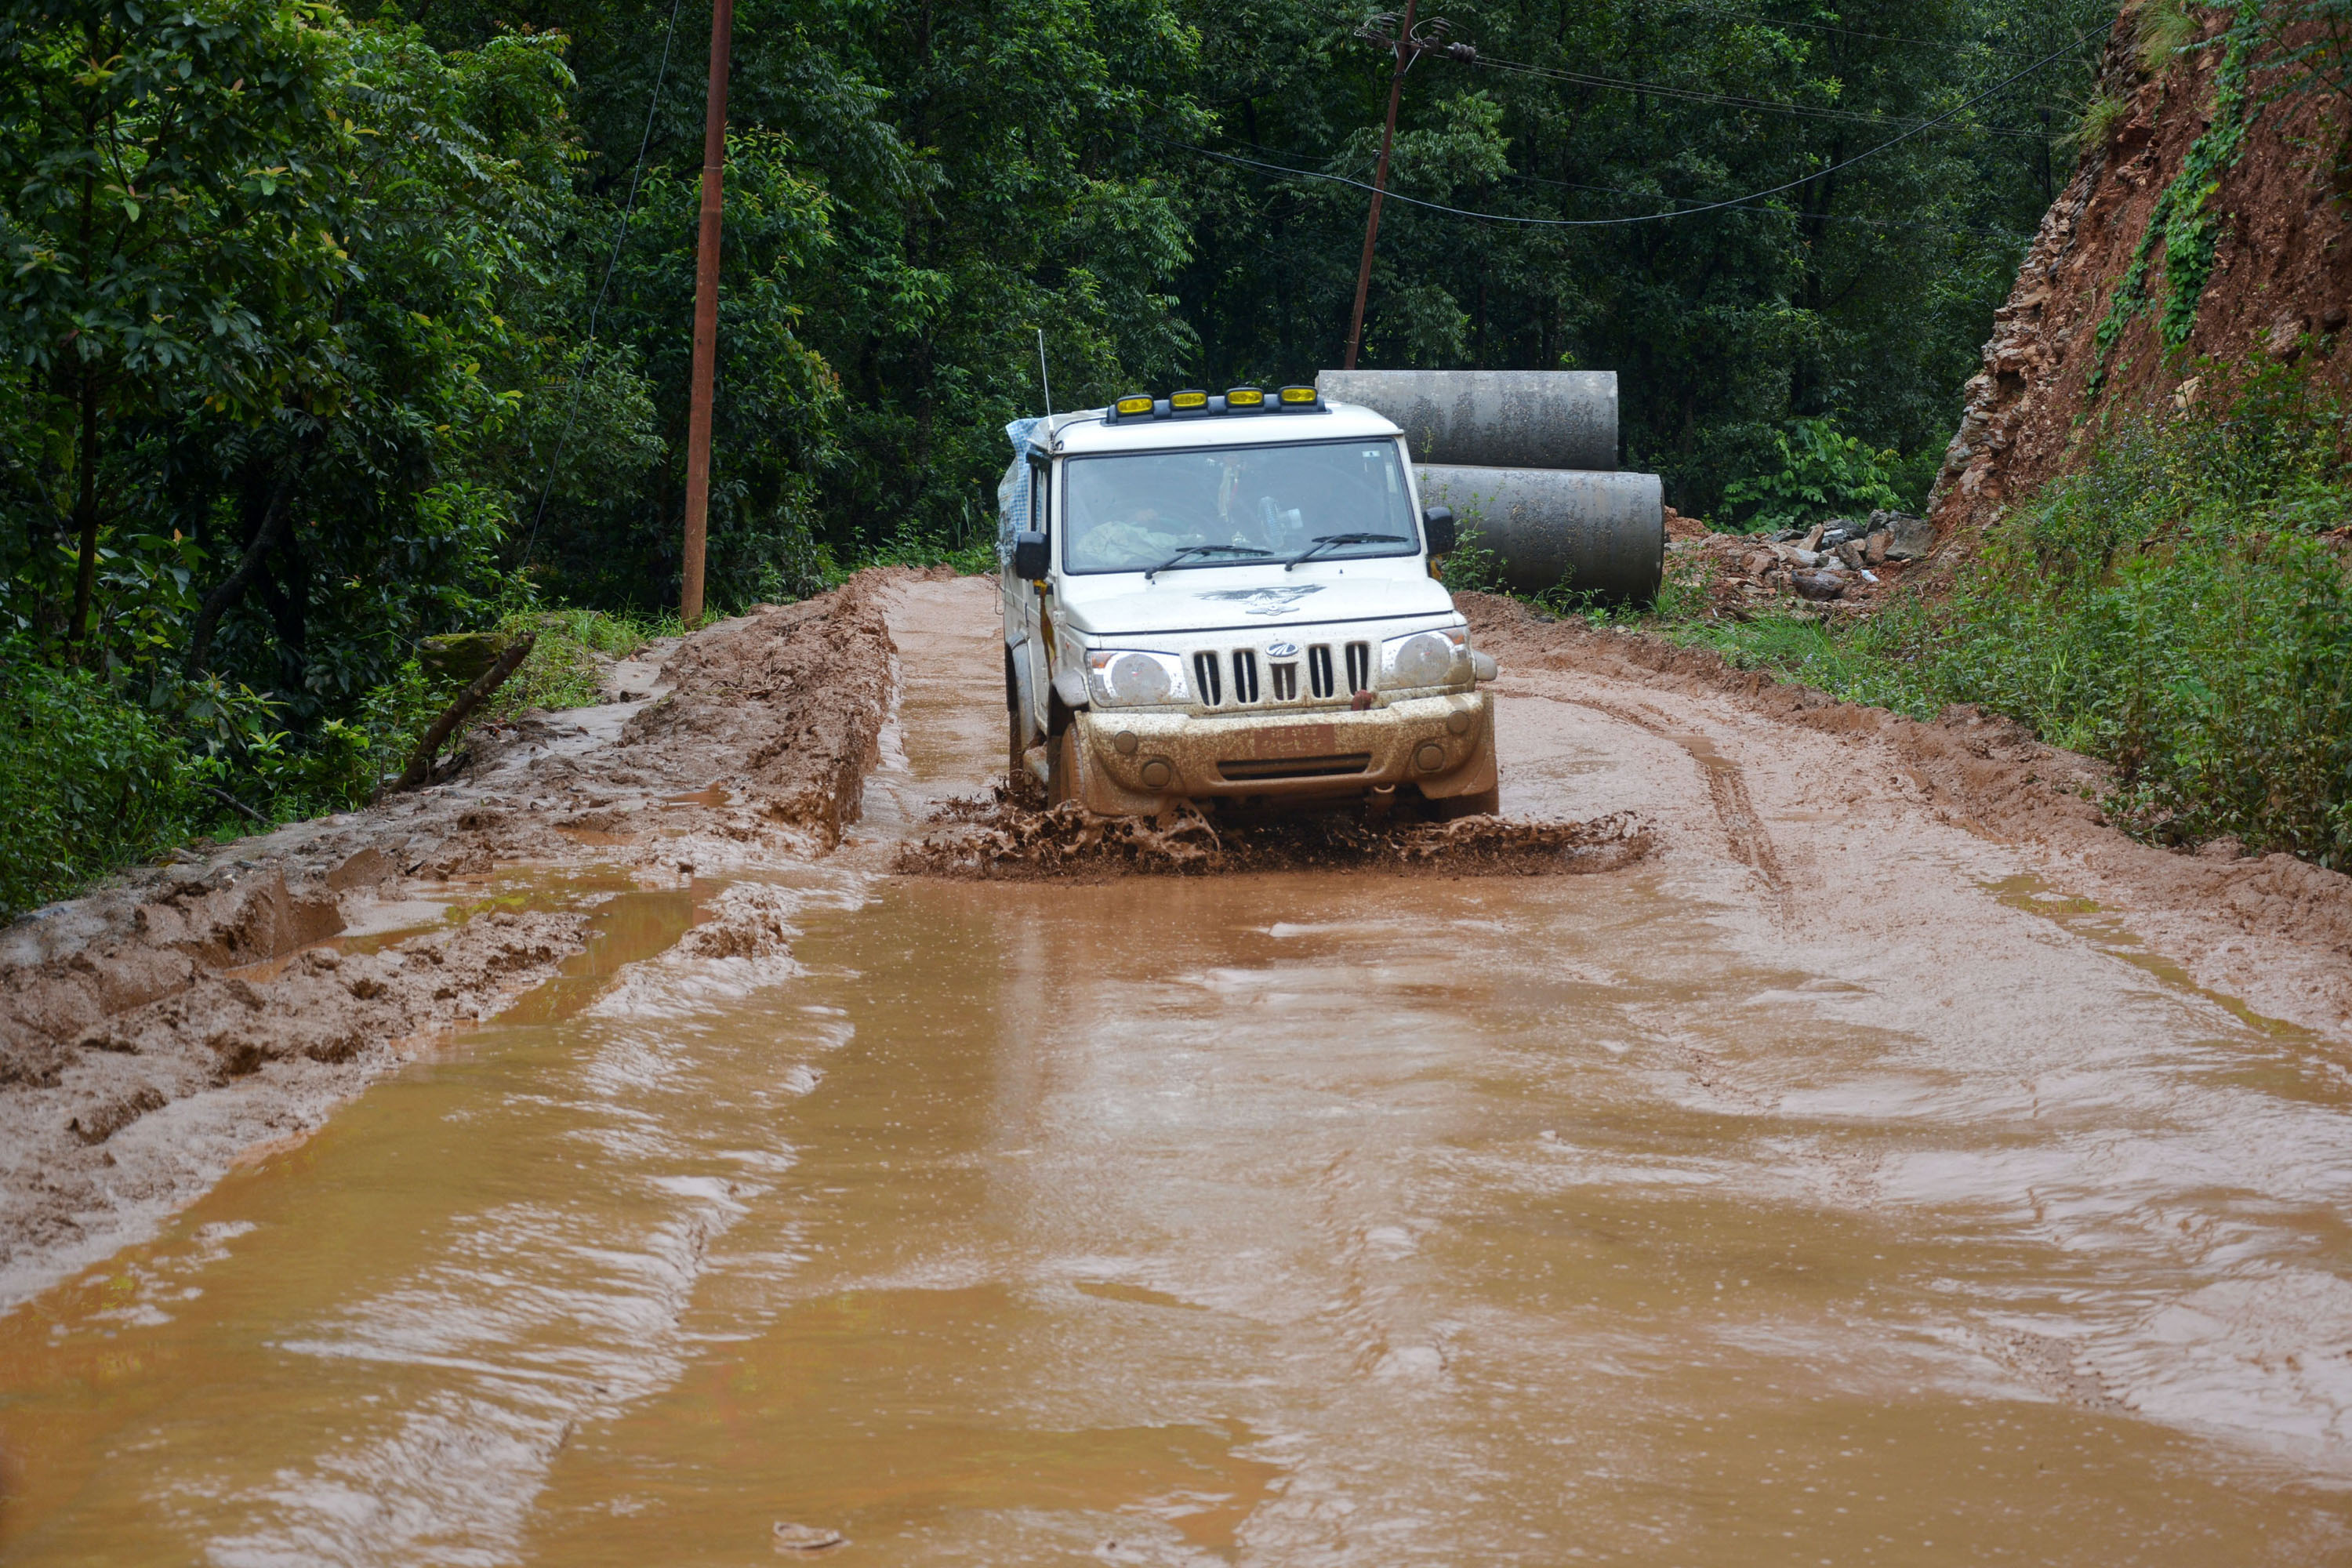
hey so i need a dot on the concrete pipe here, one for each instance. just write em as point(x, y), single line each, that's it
point(1495, 418)
point(1600, 533)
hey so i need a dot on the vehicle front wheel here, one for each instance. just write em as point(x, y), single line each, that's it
point(1063, 750)
point(1016, 760)
point(1488, 801)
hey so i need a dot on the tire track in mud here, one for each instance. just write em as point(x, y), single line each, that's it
point(1727, 788)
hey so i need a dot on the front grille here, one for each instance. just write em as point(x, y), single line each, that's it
point(1207, 679)
point(1254, 769)
point(1233, 677)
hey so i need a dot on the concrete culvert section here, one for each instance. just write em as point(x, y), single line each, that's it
point(1528, 459)
point(1492, 418)
point(1604, 534)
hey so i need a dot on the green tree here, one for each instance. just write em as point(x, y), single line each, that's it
point(167, 220)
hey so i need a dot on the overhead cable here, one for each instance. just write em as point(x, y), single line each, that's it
point(1736, 100)
point(1516, 178)
point(1736, 16)
point(1747, 200)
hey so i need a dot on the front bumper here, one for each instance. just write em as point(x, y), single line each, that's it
point(1136, 763)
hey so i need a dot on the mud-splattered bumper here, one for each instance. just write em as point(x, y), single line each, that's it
point(1132, 762)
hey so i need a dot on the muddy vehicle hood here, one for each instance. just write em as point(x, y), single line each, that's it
point(1222, 600)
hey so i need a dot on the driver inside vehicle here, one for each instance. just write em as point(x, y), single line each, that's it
point(1125, 516)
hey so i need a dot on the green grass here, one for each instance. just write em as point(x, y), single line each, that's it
point(563, 669)
point(2174, 608)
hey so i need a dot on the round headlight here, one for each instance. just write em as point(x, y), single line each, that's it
point(1137, 677)
point(1424, 660)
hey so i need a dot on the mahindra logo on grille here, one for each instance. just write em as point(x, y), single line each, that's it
point(1282, 650)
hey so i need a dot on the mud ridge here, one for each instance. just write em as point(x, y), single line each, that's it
point(1982, 771)
point(1007, 839)
point(153, 1030)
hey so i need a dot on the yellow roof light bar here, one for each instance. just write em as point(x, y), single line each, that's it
point(1191, 402)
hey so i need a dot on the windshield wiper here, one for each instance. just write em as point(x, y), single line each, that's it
point(1324, 541)
point(1193, 550)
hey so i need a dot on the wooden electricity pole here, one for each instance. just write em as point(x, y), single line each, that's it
point(706, 316)
point(1408, 48)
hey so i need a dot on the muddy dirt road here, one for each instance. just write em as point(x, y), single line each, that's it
point(1841, 1182)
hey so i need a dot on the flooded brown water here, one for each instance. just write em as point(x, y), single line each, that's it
point(1296, 1219)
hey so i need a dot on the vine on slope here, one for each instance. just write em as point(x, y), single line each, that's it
point(2184, 225)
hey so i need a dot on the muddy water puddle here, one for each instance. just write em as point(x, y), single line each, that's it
point(1304, 1218)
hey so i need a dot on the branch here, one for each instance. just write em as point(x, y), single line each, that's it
point(420, 765)
point(233, 803)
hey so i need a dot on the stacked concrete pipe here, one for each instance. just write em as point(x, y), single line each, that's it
point(1528, 459)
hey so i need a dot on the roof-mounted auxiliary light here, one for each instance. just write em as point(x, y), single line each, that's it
point(1191, 400)
point(1134, 405)
point(1244, 400)
point(1300, 399)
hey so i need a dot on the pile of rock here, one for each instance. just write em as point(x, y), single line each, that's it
point(1842, 560)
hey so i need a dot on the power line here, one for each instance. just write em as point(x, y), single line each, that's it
point(1736, 100)
point(1645, 218)
point(1653, 195)
point(1763, 21)
point(620, 229)
point(1826, 217)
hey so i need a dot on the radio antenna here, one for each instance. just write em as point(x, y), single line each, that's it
point(1044, 379)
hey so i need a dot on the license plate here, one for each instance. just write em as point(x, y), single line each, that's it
point(1298, 741)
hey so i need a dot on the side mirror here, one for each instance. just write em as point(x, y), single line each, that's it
point(1031, 559)
point(1437, 522)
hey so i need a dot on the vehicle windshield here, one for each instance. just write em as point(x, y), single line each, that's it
point(1139, 511)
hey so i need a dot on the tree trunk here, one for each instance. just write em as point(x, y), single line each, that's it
point(86, 509)
point(287, 590)
point(232, 589)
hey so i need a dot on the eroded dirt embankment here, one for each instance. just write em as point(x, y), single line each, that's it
point(152, 1031)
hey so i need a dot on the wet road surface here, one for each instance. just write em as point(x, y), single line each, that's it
point(1787, 1198)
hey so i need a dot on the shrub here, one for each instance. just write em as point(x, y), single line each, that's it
point(88, 781)
point(1822, 474)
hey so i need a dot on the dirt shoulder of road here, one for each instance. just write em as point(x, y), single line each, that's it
point(1988, 775)
point(155, 1030)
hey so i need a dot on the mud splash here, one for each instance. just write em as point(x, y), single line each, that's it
point(1004, 839)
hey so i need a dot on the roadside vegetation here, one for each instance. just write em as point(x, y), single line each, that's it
point(2180, 607)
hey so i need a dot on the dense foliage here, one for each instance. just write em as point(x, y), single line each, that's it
point(2181, 608)
point(321, 332)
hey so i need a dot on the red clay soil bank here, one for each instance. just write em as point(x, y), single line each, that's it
point(151, 1030)
point(2282, 269)
point(1987, 772)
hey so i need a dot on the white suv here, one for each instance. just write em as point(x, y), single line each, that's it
point(1235, 597)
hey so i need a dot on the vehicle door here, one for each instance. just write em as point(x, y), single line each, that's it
point(1036, 598)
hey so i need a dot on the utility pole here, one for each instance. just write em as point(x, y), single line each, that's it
point(706, 316)
point(1408, 43)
